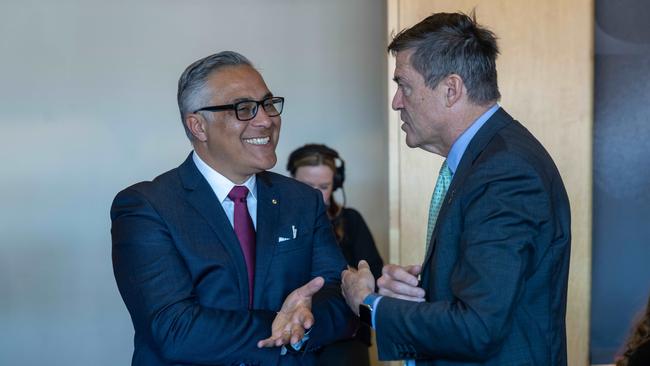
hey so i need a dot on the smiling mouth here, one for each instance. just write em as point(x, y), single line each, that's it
point(257, 140)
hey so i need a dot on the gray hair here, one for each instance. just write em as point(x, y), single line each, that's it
point(192, 93)
point(453, 43)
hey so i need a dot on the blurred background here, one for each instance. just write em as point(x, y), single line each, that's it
point(88, 107)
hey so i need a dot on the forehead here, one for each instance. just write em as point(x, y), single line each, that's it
point(403, 68)
point(237, 82)
point(315, 172)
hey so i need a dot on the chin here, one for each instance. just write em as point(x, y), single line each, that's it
point(267, 163)
point(410, 143)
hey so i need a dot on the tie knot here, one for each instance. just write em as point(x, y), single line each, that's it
point(238, 193)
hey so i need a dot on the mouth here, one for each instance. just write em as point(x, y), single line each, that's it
point(258, 140)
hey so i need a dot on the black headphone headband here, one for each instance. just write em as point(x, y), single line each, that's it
point(322, 150)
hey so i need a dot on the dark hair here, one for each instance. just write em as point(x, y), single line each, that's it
point(192, 93)
point(640, 335)
point(315, 155)
point(453, 43)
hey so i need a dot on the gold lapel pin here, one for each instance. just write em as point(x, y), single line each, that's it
point(274, 201)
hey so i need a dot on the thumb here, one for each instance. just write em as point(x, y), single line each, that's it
point(414, 269)
point(311, 287)
point(363, 265)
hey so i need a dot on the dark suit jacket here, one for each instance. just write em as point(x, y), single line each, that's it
point(496, 272)
point(182, 275)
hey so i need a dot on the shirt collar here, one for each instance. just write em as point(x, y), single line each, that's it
point(460, 145)
point(219, 183)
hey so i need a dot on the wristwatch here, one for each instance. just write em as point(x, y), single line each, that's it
point(366, 309)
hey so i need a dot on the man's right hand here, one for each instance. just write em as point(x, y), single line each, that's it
point(401, 282)
point(295, 316)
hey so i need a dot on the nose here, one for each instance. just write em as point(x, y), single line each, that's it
point(397, 100)
point(262, 119)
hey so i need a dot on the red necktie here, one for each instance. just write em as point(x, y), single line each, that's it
point(245, 232)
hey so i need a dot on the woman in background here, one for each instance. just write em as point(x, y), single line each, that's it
point(316, 166)
point(637, 349)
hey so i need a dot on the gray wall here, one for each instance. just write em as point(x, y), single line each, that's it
point(87, 107)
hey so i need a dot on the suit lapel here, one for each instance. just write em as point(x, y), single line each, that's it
point(200, 195)
point(268, 202)
point(478, 143)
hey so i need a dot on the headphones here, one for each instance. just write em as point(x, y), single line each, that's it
point(323, 151)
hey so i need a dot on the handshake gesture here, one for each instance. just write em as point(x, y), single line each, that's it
point(295, 316)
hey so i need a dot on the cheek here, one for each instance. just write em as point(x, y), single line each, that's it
point(327, 193)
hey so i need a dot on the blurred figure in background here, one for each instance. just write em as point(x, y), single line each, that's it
point(637, 349)
point(316, 166)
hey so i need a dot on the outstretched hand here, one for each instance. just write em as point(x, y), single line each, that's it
point(295, 316)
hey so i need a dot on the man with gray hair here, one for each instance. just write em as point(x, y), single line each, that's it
point(220, 262)
point(493, 282)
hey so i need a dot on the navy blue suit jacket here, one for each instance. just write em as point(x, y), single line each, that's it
point(182, 275)
point(496, 271)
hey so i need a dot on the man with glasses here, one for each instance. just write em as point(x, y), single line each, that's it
point(219, 261)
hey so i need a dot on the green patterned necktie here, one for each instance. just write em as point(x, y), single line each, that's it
point(442, 185)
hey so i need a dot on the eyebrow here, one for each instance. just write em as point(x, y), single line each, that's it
point(247, 99)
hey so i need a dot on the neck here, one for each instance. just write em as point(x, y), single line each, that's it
point(220, 168)
point(465, 116)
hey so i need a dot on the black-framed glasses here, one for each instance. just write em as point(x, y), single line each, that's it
point(247, 109)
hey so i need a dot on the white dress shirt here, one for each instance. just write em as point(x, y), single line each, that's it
point(222, 186)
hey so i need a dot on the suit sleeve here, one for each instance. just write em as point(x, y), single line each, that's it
point(504, 204)
point(158, 291)
point(333, 319)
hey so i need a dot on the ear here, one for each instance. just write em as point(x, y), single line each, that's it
point(455, 88)
point(197, 126)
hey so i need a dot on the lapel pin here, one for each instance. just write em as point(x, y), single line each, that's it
point(274, 201)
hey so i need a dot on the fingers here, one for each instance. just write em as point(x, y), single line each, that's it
point(386, 292)
point(311, 287)
point(388, 286)
point(303, 317)
point(401, 282)
point(288, 329)
point(265, 343)
point(281, 336)
point(401, 274)
point(414, 269)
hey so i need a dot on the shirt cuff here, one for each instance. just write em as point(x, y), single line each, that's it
point(298, 345)
point(372, 300)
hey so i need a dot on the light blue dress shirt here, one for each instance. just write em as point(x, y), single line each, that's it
point(453, 159)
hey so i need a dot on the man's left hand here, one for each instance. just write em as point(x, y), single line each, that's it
point(356, 284)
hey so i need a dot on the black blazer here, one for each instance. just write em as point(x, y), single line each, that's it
point(496, 271)
point(182, 275)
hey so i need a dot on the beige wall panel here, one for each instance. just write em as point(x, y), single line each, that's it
point(545, 76)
